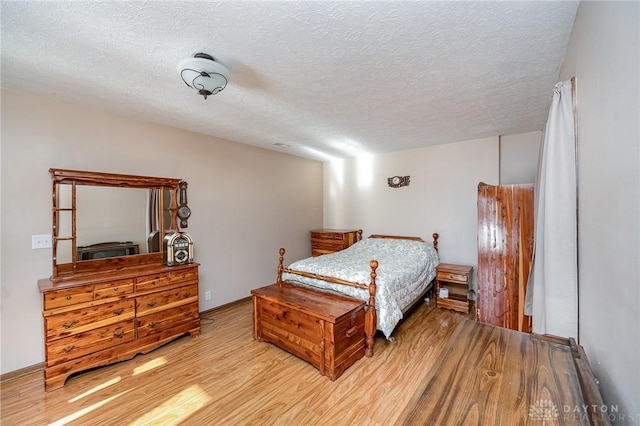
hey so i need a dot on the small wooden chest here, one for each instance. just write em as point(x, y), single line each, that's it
point(323, 329)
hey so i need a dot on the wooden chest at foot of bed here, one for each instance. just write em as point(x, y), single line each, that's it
point(323, 329)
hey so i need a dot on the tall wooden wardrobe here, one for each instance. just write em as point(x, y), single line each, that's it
point(505, 250)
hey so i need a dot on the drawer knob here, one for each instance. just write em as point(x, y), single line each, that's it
point(152, 324)
point(152, 304)
point(186, 295)
point(115, 289)
point(68, 297)
point(353, 330)
point(69, 325)
point(119, 334)
point(69, 349)
point(118, 312)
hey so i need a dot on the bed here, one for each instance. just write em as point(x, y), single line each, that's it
point(390, 273)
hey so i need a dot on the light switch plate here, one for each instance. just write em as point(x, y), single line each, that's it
point(41, 242)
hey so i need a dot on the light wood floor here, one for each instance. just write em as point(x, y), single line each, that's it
point(225, 377)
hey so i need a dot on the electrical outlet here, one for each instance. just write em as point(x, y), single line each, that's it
point(41, 242)
point(207, 295)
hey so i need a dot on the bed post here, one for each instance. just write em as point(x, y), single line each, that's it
point(370, 320)
point(280, 266)
point(435, 240)
point(359, 237)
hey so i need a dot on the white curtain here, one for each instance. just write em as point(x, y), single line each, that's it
point(552, 289)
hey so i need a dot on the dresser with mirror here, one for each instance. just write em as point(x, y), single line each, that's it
point(111, 294)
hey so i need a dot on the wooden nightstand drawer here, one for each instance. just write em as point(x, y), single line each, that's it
point(448, 276)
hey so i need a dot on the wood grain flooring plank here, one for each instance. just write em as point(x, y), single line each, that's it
point(494, 376)
point(225, 377)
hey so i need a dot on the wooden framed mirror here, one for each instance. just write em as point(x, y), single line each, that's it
point(104, 221)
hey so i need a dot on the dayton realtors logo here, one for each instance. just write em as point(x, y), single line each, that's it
point(544, 410)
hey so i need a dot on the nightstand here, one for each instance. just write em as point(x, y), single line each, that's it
point(324, 241)
point(456, 279)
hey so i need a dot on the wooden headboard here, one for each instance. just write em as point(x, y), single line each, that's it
point(399, 237)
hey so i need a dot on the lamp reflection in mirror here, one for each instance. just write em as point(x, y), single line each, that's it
point(203, 74)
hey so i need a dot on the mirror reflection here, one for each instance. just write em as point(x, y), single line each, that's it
point(110, 222)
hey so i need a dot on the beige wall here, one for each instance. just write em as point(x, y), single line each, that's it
point(519, 158)
point(603, 55)
point(441, 197)
point(246, 202)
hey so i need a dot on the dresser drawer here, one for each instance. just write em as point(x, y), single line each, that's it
point(82, 320)
point(328, 245)
point(113, 289)
point(184, 275)
point(165, 299)
point(328, 236)
point(160, 321)
point(68, 348)
point(67, 297)
point(331, 240)
point(150, 282)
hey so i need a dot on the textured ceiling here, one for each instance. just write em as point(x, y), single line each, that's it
point(330, 79)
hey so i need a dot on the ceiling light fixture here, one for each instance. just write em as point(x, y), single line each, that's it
point(203, 74)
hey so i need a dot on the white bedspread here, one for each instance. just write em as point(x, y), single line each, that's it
point(406, 268)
